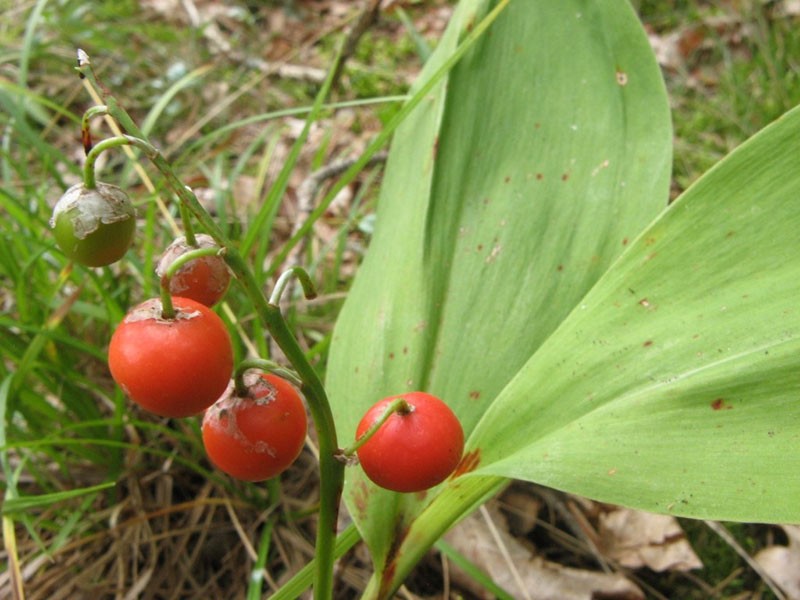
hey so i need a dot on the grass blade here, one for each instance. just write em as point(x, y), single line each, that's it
point(25, 503)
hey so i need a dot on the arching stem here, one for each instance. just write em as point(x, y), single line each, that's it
point(187, 257)
point(167, 308)
point(305, 281)
point(86, 132)
point(89, 180)
point(262, 364)
point(398, 405)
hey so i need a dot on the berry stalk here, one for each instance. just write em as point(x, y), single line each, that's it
point(398, 405)
point(86, 133)
point(167, 309)
point(305, 281)
point(262, 364)
point(89, 180)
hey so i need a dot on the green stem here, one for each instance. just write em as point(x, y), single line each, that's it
point(257, 573)
point(188, 228)
point(240, 387)
point(189, 256)
point(167, 307)
point(398, 405)
point(331, 470)
point(86, 133)
point(305, 280)
point(89, 180)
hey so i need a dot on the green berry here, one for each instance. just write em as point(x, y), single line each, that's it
point(94, 226)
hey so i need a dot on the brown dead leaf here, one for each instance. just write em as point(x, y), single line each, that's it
point(678, 49)
point(521, 509)
point(789, 8)
point(667, 49)
point(637, 539)
point(782, 563)
point(514, 568)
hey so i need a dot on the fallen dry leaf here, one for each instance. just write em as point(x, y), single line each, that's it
point(782, 563)
point(789, 8)
point(637, 539)
point(513, 567)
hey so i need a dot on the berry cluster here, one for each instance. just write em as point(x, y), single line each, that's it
point(173, 356)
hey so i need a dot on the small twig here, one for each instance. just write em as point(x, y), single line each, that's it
point(501, 546)
point(368, 16)
point(306, 195)
point(310, 186)
point(582, 531)
point(722, 532)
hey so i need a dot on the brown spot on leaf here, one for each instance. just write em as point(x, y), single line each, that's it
point(474, 395)
point(400, 533)
point(469, 462)
point(361, 498)
point(648, 343)
point(720, 404)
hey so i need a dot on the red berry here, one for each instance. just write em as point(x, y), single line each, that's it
point(414, 449)
point(256, 436)
point(172, 367)
point(204, 279)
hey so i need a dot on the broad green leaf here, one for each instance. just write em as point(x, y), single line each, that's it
point(674, 386)
point(507, 194)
